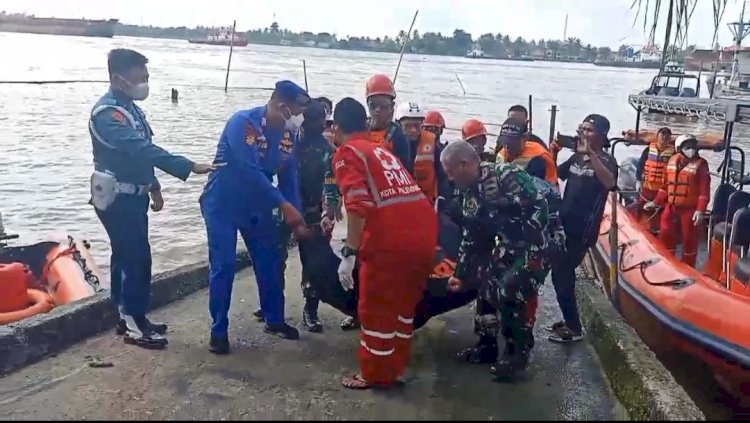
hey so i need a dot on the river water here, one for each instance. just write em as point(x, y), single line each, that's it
point(46, 149)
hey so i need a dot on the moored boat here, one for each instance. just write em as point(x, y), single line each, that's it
point(221, 37)
point(680, 310)
point(38, 277)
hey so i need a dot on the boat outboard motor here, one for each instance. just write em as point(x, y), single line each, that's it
point(627, 182)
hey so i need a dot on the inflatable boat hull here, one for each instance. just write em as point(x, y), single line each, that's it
point(677, 311)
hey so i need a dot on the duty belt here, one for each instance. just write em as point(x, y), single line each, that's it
point(132, 189)
point(124, 187)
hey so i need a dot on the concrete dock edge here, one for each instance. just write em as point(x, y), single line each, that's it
point(32, 339)
point(641, 383)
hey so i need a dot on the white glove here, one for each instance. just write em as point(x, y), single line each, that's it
point(346, 272)
point(649, 206)
point(697, 218)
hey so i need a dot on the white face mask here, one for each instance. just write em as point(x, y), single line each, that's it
point(139, 92)
point(293, 122)
point(689, 152)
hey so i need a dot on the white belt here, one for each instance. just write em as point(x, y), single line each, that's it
point(132, 189)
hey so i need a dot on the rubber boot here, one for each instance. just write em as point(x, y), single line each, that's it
point(484, 352)
point(310, 320)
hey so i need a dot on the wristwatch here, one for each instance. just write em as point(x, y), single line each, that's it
point(347, 251)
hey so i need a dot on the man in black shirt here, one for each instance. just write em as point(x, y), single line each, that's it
point(590, 174)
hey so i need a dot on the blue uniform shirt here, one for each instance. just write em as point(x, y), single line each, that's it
point(122, 144)
point(254, 153)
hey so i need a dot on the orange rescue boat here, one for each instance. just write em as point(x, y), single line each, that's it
point(675, 308)
point(36, 278)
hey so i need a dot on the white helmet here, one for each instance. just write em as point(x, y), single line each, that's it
point(408, 110)
point(682, 139)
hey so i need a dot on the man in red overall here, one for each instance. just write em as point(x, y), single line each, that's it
point(684, 195)
point(382, 202)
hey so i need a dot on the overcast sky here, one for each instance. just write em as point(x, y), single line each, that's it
point(598, 22)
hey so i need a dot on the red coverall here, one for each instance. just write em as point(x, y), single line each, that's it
point(396, 255)
point(687, 190)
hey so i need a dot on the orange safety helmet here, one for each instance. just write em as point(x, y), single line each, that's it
point(434, 118)
point(472, 128)
point(380, 85)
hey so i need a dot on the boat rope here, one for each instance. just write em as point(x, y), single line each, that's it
point(75, 254)
point(45, 273)
point(645, 264)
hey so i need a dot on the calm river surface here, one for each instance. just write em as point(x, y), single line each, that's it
point(46, 149)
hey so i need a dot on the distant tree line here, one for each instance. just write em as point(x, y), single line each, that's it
point(460, 43)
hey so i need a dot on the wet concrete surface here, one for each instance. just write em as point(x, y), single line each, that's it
point(270, 378)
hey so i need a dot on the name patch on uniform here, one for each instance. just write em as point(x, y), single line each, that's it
point(400, 190)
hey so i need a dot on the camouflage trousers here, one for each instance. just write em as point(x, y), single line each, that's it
point(285, 241)
point(503, 305)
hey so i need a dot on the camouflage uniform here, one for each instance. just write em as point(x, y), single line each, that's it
point(315, 155)
point(505, 247)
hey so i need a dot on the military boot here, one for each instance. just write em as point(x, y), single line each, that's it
point(510, 364)
point(484, 352)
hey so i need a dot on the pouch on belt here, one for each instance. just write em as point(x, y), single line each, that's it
point(102, 190)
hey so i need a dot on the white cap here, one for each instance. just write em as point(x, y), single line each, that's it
point(683, 138)
point(408, 110)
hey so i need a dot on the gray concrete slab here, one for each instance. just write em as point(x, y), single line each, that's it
point(271, 378)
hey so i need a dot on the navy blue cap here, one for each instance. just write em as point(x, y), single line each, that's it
point(289, 92)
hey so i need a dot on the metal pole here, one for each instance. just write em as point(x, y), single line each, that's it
point(552, 120)
point(304, 69)
point(403, 47)
point(229, 63)
point(613, 253)
point(531, 113)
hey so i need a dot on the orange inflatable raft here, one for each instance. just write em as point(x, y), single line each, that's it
point(36, 278)
point(674, 307)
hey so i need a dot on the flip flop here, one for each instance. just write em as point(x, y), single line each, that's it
point(355, 382)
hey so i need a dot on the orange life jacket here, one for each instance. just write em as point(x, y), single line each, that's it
point(656, 165)
point(384, 137)
point(682, 184)
point(532, 150)
point(424, 164)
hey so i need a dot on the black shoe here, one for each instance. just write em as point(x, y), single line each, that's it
point(219, 345)
point(508, 367)
point(282, 330)
point(350, 323)
point(139, 333)
point(258, 314)
point(310, 320)
point(481, 353)
point(160, 328)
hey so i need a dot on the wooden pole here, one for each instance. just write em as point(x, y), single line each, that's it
point(229, 63)
point(552, 123)
point(460, 83)
point(304, 69)
point(403, 47)
point(531, 113)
